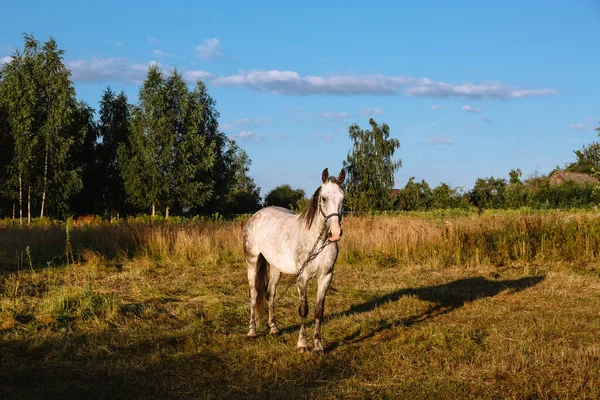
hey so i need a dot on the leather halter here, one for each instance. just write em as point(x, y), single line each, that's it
point(339, 215)
point(330, 215)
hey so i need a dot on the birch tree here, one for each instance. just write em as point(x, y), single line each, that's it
point(18, 93)
point(169, 158)
point(193, 153)
point(7, 193)
point(370, 168)
point(57, 136)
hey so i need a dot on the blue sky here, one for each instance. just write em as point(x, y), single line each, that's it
point(470, 88)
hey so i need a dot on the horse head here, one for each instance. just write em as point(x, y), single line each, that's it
point(331, 198)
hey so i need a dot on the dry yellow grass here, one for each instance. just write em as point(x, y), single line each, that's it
point(469, 307)
point(470, 240)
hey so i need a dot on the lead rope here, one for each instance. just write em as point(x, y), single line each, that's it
point(311, 256)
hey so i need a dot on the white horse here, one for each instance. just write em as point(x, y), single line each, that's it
point(284, 240)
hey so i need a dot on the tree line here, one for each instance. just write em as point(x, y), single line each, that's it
point(164, 153)
point(370, 170)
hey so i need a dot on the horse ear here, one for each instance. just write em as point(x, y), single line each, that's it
point(325, 175)
point(342, 176)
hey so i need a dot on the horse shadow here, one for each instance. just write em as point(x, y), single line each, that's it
point(446, 297)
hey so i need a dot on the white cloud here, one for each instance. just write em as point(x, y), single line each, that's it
point(151, 39)
point(121, 70)
point(524, 151)
point(209, 49)
point(281, 135)
point(334, 116)
point(444, 140)
point(5, 60)
point(105, 69)
point(160, 53)
point(470, 109)
point(589, 119)
point(292, 83)
point(580, 127)
point(327, 137)
point(367, 112)
point(194, 76)
point(245, 135)
point(437, 107)
point(254, 123)
point(495, 90)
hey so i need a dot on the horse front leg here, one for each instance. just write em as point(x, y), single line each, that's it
point(303, 312)
point(274, 276)
point(323, 285)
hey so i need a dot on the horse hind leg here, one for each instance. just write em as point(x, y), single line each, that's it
point(274, 276)
point(257, 280)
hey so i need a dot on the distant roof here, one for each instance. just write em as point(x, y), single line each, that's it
point(559, 177)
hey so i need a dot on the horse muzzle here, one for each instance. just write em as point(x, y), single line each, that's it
point(335, 234)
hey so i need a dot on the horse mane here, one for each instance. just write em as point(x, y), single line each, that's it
point(308, 214)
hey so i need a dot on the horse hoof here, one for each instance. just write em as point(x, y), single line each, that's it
point(301, 349)
point(274, 331)
point(251, 335)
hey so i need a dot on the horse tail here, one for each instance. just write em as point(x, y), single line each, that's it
point(262, 280)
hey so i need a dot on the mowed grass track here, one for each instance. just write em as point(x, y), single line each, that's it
point(161, 321)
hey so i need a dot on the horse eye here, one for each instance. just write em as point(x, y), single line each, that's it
point(324, 199)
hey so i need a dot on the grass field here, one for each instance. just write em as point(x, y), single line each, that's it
point(421, 306)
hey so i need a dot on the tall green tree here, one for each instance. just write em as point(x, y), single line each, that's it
point(7, 193)
point(170, 156)
point(84, 160)
point(40, 101)
point(113, 129)
point(219, 175)
point(19, 96)
point(141, 159)
point(370, 168)
point(58, 131)
point(193, 154)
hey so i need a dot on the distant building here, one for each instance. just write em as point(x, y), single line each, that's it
point(561, 177)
